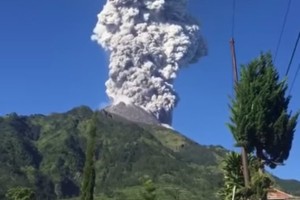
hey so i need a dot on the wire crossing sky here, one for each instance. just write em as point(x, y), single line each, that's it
point(282, 29)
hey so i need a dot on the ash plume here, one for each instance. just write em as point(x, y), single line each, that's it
point(148, 41)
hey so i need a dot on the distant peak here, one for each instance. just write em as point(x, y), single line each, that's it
point(132, 113)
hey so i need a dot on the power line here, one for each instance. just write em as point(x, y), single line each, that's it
point(282, 28)
point(292, 57)
point(294, 80)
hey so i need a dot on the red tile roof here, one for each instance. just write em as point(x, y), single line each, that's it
point(279, 195)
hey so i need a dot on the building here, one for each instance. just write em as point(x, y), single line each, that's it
point(275, 194)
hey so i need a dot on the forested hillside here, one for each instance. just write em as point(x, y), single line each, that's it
point(47, 154)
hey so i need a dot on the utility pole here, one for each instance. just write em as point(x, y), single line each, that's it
point(243, 150)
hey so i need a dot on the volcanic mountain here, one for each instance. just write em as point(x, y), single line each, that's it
point(132, 113)
point(47, 154)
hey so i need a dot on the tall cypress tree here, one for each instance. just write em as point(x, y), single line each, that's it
point(88, 184)
point(260, 120)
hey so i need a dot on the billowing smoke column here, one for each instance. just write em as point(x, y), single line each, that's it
point(149, 41)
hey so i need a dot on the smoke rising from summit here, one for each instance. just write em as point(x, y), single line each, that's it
point(148, 41)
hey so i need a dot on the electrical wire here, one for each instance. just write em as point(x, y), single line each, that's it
point(282, 29)
point(294, 80)
point(292, 57)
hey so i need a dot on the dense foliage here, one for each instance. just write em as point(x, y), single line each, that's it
point(260, 120)
point(88, 183)
point(20, 193)
point(47, 154)
point(149, 192)
point(234, 181)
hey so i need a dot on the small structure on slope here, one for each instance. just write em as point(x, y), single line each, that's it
point(276, 194)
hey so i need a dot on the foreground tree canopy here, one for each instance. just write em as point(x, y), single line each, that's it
point(260, 120)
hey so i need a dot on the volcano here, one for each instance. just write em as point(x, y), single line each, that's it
point(46, 153)
point(131, 113)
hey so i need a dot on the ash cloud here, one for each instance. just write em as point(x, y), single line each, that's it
point(148, 41)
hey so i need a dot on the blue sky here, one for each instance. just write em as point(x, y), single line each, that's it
point(49, 64)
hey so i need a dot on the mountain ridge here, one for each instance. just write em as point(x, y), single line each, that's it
point(47, 153)
point(131, 113)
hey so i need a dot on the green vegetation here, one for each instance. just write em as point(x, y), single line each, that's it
point(260, 124)
point(234, 181)
point(47, 155)
point(20, 193)
point(260, 120)
point(149, 192)
point(88, 185)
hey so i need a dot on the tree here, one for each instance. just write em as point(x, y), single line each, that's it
point(149, 192)
point(87, 189)
point(260, 121)
point(20, 193)
point(234, 182)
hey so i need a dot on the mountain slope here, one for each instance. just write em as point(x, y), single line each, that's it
point(47, 153)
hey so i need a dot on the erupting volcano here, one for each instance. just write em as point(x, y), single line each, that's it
point(148, 42)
